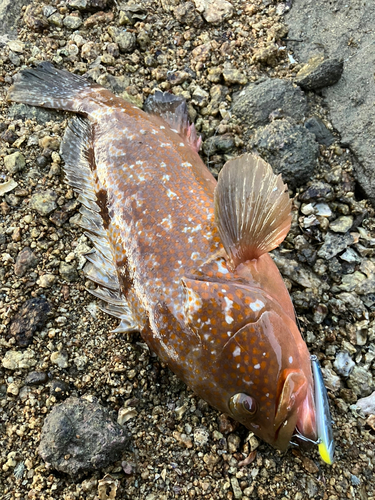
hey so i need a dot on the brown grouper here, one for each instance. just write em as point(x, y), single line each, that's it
point(184, 259)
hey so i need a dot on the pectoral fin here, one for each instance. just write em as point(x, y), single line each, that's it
point(252, 208)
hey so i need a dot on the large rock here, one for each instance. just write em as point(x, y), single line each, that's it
point(80, 436)
point(289, 148)
point(256, 102)
point(31, 317)
point(9, 13)
point(326, 28)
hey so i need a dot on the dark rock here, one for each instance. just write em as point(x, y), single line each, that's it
point(26, 259)
point(9, 14)
point(34, 18)
point(79, 436)
point(289, 148)
point(42, 161)
point(317, 191)
point(255, 103)
point(324, 28)
point(186, 13)
point(59, 217)
point(36, 378)
point(88, 5)
point(68, 272)
point(319, 73)
point(31, 317)
point(217, 143)
point(59, 389)
point(334, 244)
point(25, 112)
point(322, 134)
point(9, 136)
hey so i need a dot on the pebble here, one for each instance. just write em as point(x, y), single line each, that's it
point(319, 73)
point(44, 202)
point(125, 40)
point(126, 414)
point(217, 143)
point(183, 439)
point(341, 224)
point(14, 162)
point(17, 360)
point(237, 492)
point(79, 436)
point(367, 404)
point(234, 442)
point(214, 11)
point(59, 389)
point(350, 255)
point(234, 76)
point(26, 259)
point(255, 103)
point(68, 272)
point(60, 358)
point(186, 14)
point(7, 186)
point(13, 389)
point(334, 244)
point(316, 126)
point(73, 21)
point(31, 317)
point(46, 280)
point(361, 381)
point(201, 436)
point(36, 378)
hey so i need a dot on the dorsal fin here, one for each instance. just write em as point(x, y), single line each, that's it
point(252, 208)
point(173, 110)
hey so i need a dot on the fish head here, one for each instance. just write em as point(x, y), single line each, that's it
point(252, 362)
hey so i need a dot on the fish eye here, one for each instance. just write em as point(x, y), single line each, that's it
point(242, 404)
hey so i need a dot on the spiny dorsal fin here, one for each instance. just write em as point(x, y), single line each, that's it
point(252, 208)
point(173, 110)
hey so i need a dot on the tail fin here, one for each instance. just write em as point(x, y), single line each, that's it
point(49, 87)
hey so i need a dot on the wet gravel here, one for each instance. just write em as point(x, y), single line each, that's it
point(56, 344)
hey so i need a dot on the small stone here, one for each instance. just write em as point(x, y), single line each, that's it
point(178, 77)
point(316, 126)
point(9, 136)
point(310, 465)
point(13, 389)
point(17, 360)
point(350, 256)
point(14, 162)
point(317, 191)
point(50, 142)
point(126, 414)
point(237, 492)
point(367, 405)
point(56, 19)
point(226, 425)
point(98, 18)
point(26, 260)
point(234, 76)
point(361, 381)
point(186, 13)
point(89, 51)
point(60, 358)
point(34, 18)
point(36, 378)
point(234, 442)
point(217, 143)
point(331, 380)
point(46, 280)
point(343, 364)
point(183, 439)
point(341, 224)
point(68, 272)
point(79, 436)
point(334, 244)
point(44, 202)
point(73, 21)
point(31, 317)
point(319, 73)
point(201, 436)
point(124, 39)
point(59, 389)
point(211, 459)
point(214, 11)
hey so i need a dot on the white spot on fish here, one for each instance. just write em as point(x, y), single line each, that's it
point(174, 130)
point(257, 305)
point(256, 367)
point(238, 366)
point(162, 127)
point(182, 144)
point(194, 256)
point(228, 309)
point(166, 177)
point(153, 131)
point(237, 352)
point(267, 395)
point(171, 194)
point(186, 164)
point(221, 268)
point(290, 359)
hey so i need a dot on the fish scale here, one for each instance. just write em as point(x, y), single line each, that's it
point(184, 259)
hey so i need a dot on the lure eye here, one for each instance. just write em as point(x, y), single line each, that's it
point(243, 405)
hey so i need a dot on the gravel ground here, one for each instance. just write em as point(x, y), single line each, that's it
point(55, 342)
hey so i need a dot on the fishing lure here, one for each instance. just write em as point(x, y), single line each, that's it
point(184, 259)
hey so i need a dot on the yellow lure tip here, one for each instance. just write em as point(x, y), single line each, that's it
point(325, 454)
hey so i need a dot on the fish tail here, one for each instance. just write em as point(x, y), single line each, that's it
point(49, 87)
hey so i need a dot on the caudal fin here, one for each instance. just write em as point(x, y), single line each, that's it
point(252, 208)
point(49, 87)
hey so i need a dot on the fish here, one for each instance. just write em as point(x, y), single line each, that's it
point(182, 258)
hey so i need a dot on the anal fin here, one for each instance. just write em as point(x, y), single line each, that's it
point(77, 152)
